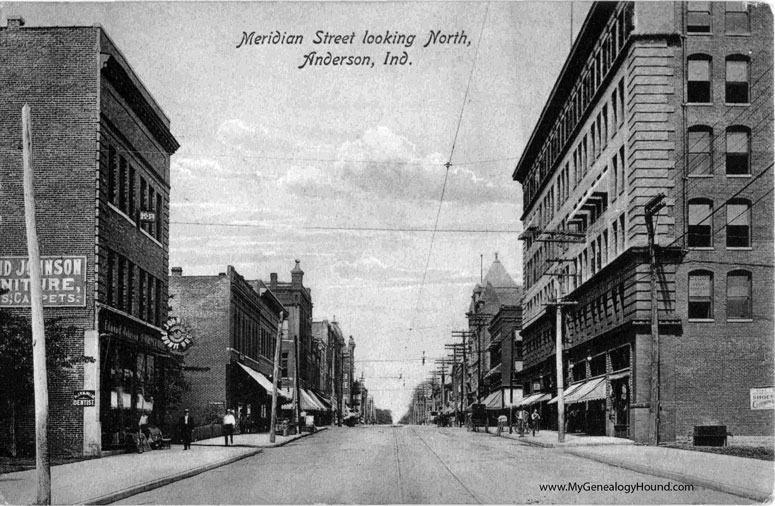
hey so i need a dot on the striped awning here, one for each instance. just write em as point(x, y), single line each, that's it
point(308, 402)
point(591, 390)
point(567, 393)
point(263, 381)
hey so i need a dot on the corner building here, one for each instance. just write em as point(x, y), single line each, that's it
point(101, 151)
point(656, 98)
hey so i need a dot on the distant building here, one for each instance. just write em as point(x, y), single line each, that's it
point(101, 151)
point(663, 103)
point(233, 326)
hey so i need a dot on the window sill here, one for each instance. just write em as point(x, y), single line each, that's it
point(737, 104)
point(741, 176)
point(700, 104)
point(701, 34)
point(701, 320)
point(700, 176)
point(739, 248)
point(122, 213)
point(739, 320)
point(748, 34)
point(701, 248)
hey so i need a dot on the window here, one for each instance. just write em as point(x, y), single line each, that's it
point(738, 148)
point(738, 224)
point(698, 17)
point(736, 18)
point(130, 287)
point(622, 167)
point(739, 295)
point(614, 177)
point(112, 176)
point(737, 80)
point(614, 112)
point(621, 100)
point(698, 89)
point(700, 295)
point(159, 211)
point(110, 281)
point(700, 223)
point(700, 154)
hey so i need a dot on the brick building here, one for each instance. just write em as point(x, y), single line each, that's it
point(670, 99)
point(331, 342)
point(232, 324)
point(101, 150)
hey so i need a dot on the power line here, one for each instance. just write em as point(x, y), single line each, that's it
point(344, 228)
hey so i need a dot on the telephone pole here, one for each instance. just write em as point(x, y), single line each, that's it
point(42, 460)
point(296, 387)
point(275, 374)
point(650, 210)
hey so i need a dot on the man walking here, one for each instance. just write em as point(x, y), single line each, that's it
point(186, 429)
point(536, 419)
point(228, 427)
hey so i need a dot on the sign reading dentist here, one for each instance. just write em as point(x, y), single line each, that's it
point(63, 279)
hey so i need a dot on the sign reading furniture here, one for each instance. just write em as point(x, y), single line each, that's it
point(63, 279)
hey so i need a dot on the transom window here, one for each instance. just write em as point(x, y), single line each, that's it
point(738, 224)
point(700, 223)
point(700, 295)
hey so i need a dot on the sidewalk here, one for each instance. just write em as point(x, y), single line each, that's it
point(108, 479)
point(749, 478)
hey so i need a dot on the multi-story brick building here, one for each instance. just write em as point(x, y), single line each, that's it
point(101, 150)
point(232, 324)
point(658, 102)
point(331, 340)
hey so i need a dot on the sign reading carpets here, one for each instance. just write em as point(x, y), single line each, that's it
point(63, 279)
point(763, 398)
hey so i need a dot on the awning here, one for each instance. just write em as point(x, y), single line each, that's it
point(531, 399)
point(567, 392)
point(494, 370)
point(263, 381)
point(493, 401)
point(591, 390)
point(500, 399)
point(322, 400)
point(308, 402)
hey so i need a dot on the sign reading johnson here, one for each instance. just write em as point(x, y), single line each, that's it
point(63, 279)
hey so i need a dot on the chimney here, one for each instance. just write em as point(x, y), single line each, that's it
point(273, 281)
point(177, 271)
point(15, 22)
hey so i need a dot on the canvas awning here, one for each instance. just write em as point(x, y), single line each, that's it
point(567, 393)
point(534, 398)
point(322, 400)
point(308, 402)
point(591, 390)
point(494, 370)
point(263, 381)
point(500, 399)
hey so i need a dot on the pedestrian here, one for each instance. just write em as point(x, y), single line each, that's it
point(502, 421)
point(228, 427)
point(186, 429)
point(520, 423)
point(536, 419)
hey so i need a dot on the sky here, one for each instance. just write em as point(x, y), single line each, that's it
point(343, 167)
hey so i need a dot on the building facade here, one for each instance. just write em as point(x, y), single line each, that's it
point(232, 324)
point(659, 116)
point(101, 151)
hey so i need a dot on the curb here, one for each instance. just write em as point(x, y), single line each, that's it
point(269, 445)
point(150, 485)
point(674, 475)
point(153, 484)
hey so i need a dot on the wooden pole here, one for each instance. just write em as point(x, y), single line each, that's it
point(42, 461)
point(296, 385)
point(275, 374)
point(558, 365)
point(650, 210)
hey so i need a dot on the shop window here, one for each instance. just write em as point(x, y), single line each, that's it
point(738, 151)
point(698, 86)
point(698, 17)
point(736, 20)
point(737, 78)
point(739, 295)
point(700, 223)
point(579, 371)
point(700, 295)
point(597, 365)
point(700, 150)
point(738, 224)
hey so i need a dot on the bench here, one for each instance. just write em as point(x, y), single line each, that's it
point(710, 435)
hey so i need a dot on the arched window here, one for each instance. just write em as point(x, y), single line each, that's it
point(737, 72)
point(700, 142)
point(739, 295)
point(700, 223)
point(700, 295)
point(698, 75)
point(738, 157)
point(738, 224)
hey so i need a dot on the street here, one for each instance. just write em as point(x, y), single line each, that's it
point(417, 465)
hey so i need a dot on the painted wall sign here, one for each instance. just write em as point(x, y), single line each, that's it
point(63, 279)
point(763, 398)
point(83, 398)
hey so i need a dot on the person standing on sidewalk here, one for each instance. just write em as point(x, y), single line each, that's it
point(536, 419)
point(186, 428)
point(228, 427)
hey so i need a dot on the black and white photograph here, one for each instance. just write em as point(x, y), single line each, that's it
point(387, 252)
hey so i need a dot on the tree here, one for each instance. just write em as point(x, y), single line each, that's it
point(384, 416)
point(16, 375)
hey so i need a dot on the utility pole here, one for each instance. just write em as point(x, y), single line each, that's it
point(275, 375)
point(42, 460)
point(650, 210)
point(296, 387)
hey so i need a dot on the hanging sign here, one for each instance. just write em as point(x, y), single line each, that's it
point(176, 337)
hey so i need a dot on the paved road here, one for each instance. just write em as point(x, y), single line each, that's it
point(414, 465)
